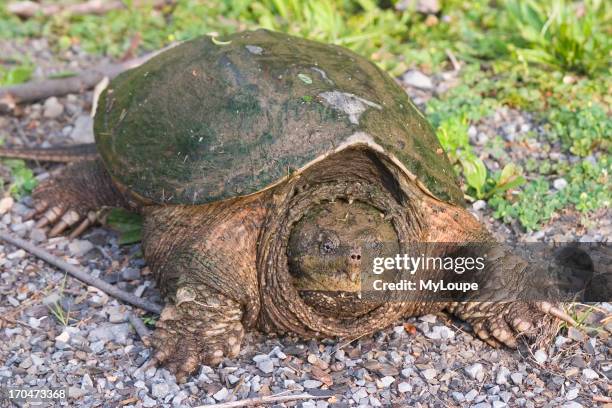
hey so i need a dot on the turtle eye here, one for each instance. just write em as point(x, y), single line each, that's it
point(328, 244)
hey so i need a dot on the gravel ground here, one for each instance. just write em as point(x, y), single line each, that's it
point(56, 331)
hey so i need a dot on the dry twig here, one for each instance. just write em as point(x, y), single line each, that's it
point(29, 9)
point(12, 95)
point(81, 275)
point(249, 402)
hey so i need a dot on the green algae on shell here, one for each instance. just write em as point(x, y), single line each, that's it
point(203, 122)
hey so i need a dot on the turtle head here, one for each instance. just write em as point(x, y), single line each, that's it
point(329, 248)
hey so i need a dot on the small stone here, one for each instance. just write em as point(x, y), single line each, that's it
point(572, 404)
point(471, 395)
point(6, 204)
point(404, 387)
point(428, 318)
point(386, 381)
point(572, 371)
point(475, 372)
point(36, 360)
point(130, 274)
point(499, 404)
point(38, 235)
point(64, 337)
point(457, 396)
point(14, 302)
point(160, 390)
point(148, 402)
point(440, 332)
point(571, 394)
point(517, 378)
point(417, 79)
point(19, 254)
point(97, 346)
point(221, 395)
point(479, 205)
point(560, 341)
point(25, 364)
point(266, 366)
point(79, 247)
point(312, 384)
point(52, 108)
point(83, 130)
point(589, 374)
point(575, 334)
point(86, 382)
point(429, 374)
point(540, 356)
point(117, 315)
point(559, 184)
point(117, 333)
point(76, 392)
point(502, 376)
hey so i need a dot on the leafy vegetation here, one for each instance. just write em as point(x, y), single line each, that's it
point(550, 57)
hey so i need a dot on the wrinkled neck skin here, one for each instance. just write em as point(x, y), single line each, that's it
point(332, 216)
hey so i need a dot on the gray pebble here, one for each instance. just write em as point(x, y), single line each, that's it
point(160, 390)
point(475, 371)
point(267, 366)
point(79, 247)
point(517, 378)
point(540, 356)
point(559, 184)
point(312, 384)
point(52, 108)
point(502, 376)
point(417, 79)
point(148, 402)
point(429, 374)
point(589, 374)
point(221, 395)
point(404, 387)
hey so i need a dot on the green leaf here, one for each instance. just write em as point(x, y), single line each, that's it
point(475, 173)
point(127, 224)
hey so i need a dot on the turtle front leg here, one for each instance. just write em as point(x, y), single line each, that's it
point(204, 261)
point(203, 326)
point(71, 198)
point(498, 314)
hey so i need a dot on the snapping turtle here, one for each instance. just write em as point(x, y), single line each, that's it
point(252, 161)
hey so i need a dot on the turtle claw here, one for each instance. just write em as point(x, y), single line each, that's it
point(503, 323)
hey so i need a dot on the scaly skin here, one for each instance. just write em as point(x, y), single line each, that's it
point(223, 266)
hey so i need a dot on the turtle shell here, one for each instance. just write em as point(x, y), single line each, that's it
point(214, 119)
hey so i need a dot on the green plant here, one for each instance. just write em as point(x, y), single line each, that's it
point(568, 35)
point(127, 224)
point(23, 180)
point(581, 130)
point(57, 310)
point(16, 75)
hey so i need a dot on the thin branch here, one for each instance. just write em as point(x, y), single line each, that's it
point(12, 95)
point(142, 330)
point(249, 402)
point(29, 9)
point(81, 275)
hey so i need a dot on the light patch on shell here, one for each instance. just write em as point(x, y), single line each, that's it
point(346, 102)
point(323, 75)
point(254, 49)
point(305, 79)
